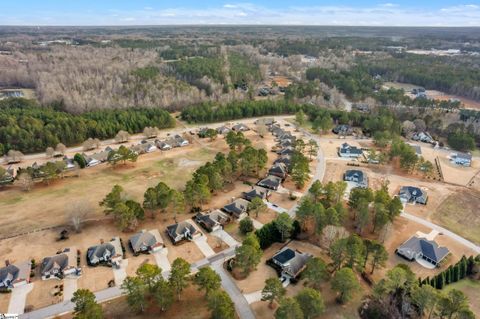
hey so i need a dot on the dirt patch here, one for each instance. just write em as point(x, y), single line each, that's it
point(4, 302)
point(459, 212)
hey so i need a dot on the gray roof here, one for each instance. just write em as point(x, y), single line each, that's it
point(428, 248)
point(99, 251)
point(259, 192)
point(237, 207)
point(270, 181)
point(58, 261)
point(413, 194)
point(348, 149)
point(278, 168)
point(354, 174)
point(144, 238)
point(8, 275)
point(180, 228)
point(293, 261)
point(465, 156)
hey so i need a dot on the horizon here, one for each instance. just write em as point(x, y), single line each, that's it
point(444, 13)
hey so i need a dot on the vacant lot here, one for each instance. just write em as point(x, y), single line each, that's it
point(459, 212)
point(471, 288)
point(47, 205)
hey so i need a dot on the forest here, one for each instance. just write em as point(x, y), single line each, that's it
point(27, 127)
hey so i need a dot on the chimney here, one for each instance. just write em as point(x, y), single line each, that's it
point(7, 263)
point(101, 241)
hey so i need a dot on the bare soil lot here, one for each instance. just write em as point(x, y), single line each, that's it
point(4, 302)
point(460, 213)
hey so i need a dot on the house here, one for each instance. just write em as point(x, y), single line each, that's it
point(8, 177)
point(256, 191)
point(285, 159)
point(164, 146)
point(63, 264)
point(238, 208)
point(289, 150)
point(419, 93)
point(410, 194)
point(213, 220)
point(270, 182)
point(182, 231)
point(276, 130)
point(343, 129)
point(146, 242)
point(279, 169)
point(12, 276)
point(202, 133)
point(348, 151)
point(110, 253)
point(180, 141)
point(223, 130)
point(361, 107)
point(97, 158)
point(290, 262)
point(423, 137)
point(357, 177)
point(417, 247)
point(286, 143)
point(69, 163)
point(240, 127)
point(144, 148)
point(462, 159)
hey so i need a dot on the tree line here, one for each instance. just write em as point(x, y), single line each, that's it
point(27, 127)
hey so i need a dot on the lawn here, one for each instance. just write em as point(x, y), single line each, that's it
point(471, 288)
point(48, 205)
point(459, 213)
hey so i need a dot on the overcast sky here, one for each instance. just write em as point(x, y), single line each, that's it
point(281, 12)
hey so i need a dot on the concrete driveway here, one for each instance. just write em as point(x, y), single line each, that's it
point(162, 261)
point(120, 273)
point(223, 235)
point(18, 299)
point(204, 247)
point(69, 287)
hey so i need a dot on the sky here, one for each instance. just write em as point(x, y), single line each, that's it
point(261, 12)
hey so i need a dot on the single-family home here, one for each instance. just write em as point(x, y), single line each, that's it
point(256, 191)
point(180, 141)
point(423, 137)
point(270, 182)
point(361, 107)
point(268, 121)
point(223, 130)
point(418, 247)
point(15, 275)
point(146, 242)
point(411, 194)
point(69, 163)
point(463, 159)
point(356, 176)
point(289, 150)
point(164, 146)
point(343, 129)
point(144, 147)
point(182, 231)
point(285, 159)
point(348, 151)
point(240, 127)
point(278, 169)
point(8, 177)
point(109, 253)
point(63, 264)
point(212, 221)
point(290, 262)
point(237, 208)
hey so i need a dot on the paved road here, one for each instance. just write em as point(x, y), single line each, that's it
point(241, 304)
point(442, 230)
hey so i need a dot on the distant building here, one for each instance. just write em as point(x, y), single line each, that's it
point(357, 177)
point(410, 194)
point(182, 231)
point(240, 127)
point(256, 191)
point(63, 264)
point(237, 208)
point(348, 151)
point(279, 170)
point(164, 146)
point(423, 137)
point(343, 129)
point(270, 182)
point(146, 242)
point(213, 220)
point(110, 253)
point(290, 262)
point(12, 276)
point(417, 247)
point(223, 130)
point(462, 159)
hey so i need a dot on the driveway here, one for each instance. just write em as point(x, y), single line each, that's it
point(223, 235)
point(257, 224)
point(120, 273)
point(253, 297)
point(162, 261)
point(241, 304)
point(204, 247)
point(69, 287)
point(277, 208)
point(18, 298)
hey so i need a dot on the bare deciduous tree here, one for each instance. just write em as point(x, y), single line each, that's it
point(122, 137)
point(60, 149)
point(25, 182)
point(49, 152)
point(77, 213)
point(150, 132)
point(14, 156)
